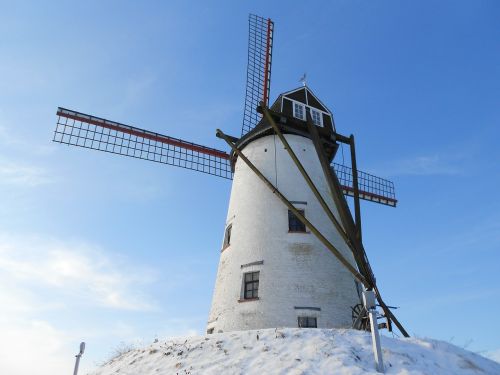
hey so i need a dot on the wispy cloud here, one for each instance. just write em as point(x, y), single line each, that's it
point(25, 172)
point(482, 236)
point(424, 165)
point(21, 174)
point(44, 278)
point(16, 143)
point(44, 345)
point(134, 91)
point(74, 269)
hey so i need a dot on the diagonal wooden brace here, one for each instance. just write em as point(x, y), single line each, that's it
point(304, 173)
point(296, 212)
point(348, 223)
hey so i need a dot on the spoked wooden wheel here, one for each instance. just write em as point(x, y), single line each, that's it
point(360, 319)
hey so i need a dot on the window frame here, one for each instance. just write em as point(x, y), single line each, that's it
point(320, 116)
point(227, 236)
point(308, 319)
point(303, 106)
point(255, 290)
point(300, 224)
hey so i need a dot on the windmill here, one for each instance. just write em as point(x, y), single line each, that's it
point(292, 253)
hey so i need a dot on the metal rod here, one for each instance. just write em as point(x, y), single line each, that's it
point(369, 302)
point(78, 356)
point(77, 364)
point(296, 212)
point(357, 208)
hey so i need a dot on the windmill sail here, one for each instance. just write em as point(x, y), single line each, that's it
point(371, 188)
point(78, 129)
point(260, 46)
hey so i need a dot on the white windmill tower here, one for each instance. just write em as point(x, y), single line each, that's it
point(273, 271)
point(292, 254)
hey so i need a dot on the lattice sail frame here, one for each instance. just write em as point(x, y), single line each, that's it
point(79, 129)
point(260, 47)
point(371, 188)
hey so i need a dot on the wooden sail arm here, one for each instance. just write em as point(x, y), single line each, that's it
point(79, 129)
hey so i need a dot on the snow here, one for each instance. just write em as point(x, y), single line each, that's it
point(296, 351)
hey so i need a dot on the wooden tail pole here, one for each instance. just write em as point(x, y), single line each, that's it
point(348, 223)
point(357, 208)
point(341, 203)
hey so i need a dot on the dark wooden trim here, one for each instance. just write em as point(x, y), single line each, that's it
point(257, 263)
point(307, 308)
point(248, 299)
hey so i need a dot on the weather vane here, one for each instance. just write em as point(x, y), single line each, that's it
point(303, 79)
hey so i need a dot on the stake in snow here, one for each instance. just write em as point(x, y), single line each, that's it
point(292, 254)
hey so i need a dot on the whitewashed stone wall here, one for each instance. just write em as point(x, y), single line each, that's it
point(297, 270)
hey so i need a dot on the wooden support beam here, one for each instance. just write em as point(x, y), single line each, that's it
point(340, 203)
point(357, 208)
point(359, 277)
point(304, 173)
point(348, 223)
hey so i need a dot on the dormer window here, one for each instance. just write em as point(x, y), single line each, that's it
point(297, 103)
point(299, 110)
point(317, 117)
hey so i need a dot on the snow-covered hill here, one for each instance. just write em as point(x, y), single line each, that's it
point(296, 351)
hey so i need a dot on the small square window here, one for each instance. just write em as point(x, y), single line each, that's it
point(307, 322)
point(317, 117)
point(227, 236)
point(294, 224)
point(251, 285)
point(298, 111)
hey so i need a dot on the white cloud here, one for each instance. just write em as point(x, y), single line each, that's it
point(74, 269)
point(33, 346)
point(19, 173)
point(18, 138)
point(45, 280)
point(424, 165)
point(22, 174)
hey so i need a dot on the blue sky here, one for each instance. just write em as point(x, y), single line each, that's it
point(110, 249)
